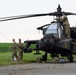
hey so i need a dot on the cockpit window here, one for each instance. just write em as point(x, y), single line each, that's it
point(51, 29)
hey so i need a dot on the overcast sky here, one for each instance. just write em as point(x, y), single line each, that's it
point(26, 28)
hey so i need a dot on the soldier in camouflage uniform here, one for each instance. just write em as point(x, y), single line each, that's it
point(20, 46)
point(14, 50)
point(66, 25)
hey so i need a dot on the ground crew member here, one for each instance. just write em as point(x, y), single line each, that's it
point(66, 25)
point(14, 50)
point(20, 46)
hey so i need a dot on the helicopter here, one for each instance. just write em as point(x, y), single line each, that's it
point(54, 40)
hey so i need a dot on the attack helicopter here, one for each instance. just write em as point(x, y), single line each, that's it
point(54, 40)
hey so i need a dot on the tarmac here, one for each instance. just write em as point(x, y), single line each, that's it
point(39, 69)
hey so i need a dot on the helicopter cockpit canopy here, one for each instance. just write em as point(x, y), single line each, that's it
point(55, 29)
point(51, 29)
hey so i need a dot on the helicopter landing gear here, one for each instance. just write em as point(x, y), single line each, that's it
point(70, 57)
point(44, 57)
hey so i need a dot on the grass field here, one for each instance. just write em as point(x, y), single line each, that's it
point(5, 58)
point(4, 47)
point(6, 53)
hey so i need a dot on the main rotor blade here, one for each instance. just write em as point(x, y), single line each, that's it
point(69, 13)
point(58, 14)
point(22, 16)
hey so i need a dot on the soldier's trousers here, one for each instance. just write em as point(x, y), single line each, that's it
point(20, 54)
point(67, 32)
point(14, 54)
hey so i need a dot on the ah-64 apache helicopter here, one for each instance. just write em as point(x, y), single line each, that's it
point(54, 40)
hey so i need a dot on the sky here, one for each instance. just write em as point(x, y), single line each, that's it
point(26, 28)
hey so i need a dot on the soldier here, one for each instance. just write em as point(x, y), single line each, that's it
point(66, 25)
point(14, 50)
point(20, 45)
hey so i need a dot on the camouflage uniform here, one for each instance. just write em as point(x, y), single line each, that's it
point(66, 25)
point(14, 51)
point(20, 45)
